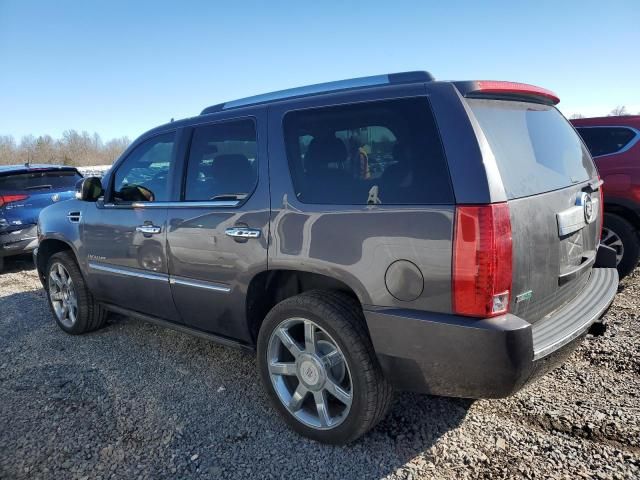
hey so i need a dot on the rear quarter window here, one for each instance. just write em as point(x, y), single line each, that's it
point(535, 147)
point(375, 153)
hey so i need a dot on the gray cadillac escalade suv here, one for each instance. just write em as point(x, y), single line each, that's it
point(381, 233)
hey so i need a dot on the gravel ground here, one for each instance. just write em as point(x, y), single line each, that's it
point(137, 401)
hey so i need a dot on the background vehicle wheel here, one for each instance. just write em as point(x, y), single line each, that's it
point(621, 235)
point(318, 365)
point(70, 300)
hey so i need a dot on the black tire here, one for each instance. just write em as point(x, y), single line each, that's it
point(90, 315)
point(630, 241)
point(1, 264)
point(341, 317)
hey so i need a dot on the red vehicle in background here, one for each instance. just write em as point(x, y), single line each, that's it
point(614, 143)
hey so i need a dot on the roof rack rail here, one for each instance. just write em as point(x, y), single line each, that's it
point(353, 83)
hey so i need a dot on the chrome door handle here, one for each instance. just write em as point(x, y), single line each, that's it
point(148, 229)
point(242, 232)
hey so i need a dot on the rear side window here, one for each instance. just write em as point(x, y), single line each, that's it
point(222, 162)
point(40, 180)
point(606, 140)
point(535, 148)
point(376, 153)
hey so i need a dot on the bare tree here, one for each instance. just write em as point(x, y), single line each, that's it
point(576, 116)
point(618, 111)
point(79, 149)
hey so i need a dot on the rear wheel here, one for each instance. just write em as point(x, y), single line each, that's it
point(319, 368)
point(620, 235)
point(71, 302)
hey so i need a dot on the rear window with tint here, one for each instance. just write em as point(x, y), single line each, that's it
point(606, 140)
point(375, 153)
point(536, 149)
point(40, 180)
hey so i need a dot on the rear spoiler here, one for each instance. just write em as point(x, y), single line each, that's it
point(506, 91)
point(39, 168)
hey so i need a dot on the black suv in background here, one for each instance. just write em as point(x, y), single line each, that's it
point(365, 235)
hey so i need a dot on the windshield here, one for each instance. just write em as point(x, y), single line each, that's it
point(536, 149)
point(40, 180)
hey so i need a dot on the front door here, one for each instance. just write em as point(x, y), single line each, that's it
point(124, 236)
point(218, 234)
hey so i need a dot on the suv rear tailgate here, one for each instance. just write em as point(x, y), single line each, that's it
point(548, 175)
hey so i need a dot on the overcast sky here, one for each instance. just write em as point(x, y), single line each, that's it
point(119, 68)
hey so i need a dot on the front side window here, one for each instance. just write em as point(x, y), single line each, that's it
point(144, 174)
point(376, 153)
point(222, 162)
point(606, 140)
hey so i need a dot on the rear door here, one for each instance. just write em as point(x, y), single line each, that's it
point(552, 189)
point(218, 233)
point(124, 236)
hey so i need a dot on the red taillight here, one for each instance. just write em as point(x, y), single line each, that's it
point(492, 86)
point(482, 260)
point(4, 199)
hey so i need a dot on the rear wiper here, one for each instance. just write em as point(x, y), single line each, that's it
point(39, 187)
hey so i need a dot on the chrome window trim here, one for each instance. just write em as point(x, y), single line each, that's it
point(185, 204)
point(624, 149)
point(216, 287)
point(129, 272)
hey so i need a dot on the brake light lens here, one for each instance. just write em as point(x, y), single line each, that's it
point(492, 86)
point(482, 260)
point(4, 199)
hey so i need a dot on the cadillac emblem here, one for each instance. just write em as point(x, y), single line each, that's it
point(584, 200)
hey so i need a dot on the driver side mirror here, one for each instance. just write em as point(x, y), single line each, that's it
point(89, 189)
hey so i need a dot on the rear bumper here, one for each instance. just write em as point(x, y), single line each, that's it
point(15, 242)
point(457, 356)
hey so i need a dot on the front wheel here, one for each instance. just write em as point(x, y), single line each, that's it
point(318, 366)
point(71, 302)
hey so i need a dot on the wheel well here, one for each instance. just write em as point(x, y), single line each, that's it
point(632, 217)
point(46, 249)
point(269, 288)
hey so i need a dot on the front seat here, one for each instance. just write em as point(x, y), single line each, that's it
point(232, 173)
point(326, 176)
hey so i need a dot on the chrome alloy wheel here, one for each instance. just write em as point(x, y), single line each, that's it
point(309, 373)
point(613, 240)
point(63, 295)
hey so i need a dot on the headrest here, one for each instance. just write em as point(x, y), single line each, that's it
point(231, 164)
point(325, 150)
